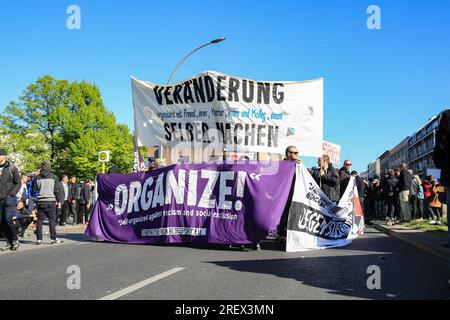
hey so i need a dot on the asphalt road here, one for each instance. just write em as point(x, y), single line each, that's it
point(192, 272)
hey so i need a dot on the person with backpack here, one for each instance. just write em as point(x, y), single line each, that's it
point(420, 198)
point(9, 187)
point(414, 190)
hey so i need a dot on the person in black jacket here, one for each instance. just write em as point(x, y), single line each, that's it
point(84, 202)
point(391, 194)
point(47, 186)
point(344, 177)
point(327, 178)
point(74, 196)
point(10, 184)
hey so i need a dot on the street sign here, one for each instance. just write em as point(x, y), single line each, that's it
point(103, 156)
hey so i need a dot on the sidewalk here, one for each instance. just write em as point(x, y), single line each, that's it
point(427, 241)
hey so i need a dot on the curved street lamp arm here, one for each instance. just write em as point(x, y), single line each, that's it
point(184, 59)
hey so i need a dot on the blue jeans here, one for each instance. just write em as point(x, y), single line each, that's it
point(8, 210)
point(46, 210)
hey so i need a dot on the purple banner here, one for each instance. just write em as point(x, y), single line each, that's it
point(202, 203)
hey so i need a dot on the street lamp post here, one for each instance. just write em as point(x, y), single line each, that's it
point(190, 53)
point(180, 63)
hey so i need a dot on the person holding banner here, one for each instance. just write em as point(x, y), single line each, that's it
point(291, 154)
point(327, 178)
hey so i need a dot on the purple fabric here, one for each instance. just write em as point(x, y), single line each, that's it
point(254, 213)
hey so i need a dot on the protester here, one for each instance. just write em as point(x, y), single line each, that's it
point(344, 177)
point(9, 187)
point(420, 198)
point(414, 190)
point(291, 154)
point(49, 198)
point(23, 218)
point(390, 190)
point(327, 178)
point(84, 202)
point(404, 186)
point(74, 196)
point(379, 197)
point(23, 191)
point(435, 206)
point(65, 201)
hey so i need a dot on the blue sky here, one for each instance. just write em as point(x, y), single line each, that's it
point(380, 85)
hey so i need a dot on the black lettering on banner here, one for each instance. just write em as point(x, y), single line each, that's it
point(158, 94)
point(176, 94)
point(248, 96)
point(278, 98)
point(180, 130)
point(173, 126)
point(198, 89)
point(272, 137)
point(261, 134)
point(169, 134)
point(205, 135)
point(220, 87)
point(264, 92)
point(219, 127)
point(227, 138)
point(188, 92)
point(237, 140)
point(190, 129)
point(303, 218)
point(233, 86)
point(167, 94)
point(209, 86)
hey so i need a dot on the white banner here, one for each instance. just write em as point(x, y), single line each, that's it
point(234, 114)
point(333, 151)
point(315, 222)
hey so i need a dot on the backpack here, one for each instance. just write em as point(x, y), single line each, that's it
point(414, 187)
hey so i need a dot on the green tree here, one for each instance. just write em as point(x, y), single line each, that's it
point(67, 123)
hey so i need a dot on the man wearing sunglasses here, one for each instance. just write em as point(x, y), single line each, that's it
point(344, 176)
point(292, 154)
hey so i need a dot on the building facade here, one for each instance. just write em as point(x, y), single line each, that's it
point(384, 163)
point(374, 169)
point(421, 146)
point(399, 154)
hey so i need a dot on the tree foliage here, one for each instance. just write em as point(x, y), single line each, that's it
point(67, 123)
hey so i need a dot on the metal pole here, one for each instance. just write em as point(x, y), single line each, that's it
point(190, 53)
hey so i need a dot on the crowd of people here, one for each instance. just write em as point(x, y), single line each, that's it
point(26, 201)
point(401, 195)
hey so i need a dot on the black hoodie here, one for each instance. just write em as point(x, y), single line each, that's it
point(9, 181)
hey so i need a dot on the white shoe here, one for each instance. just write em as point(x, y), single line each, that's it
point(432, 222)
point(439, 223)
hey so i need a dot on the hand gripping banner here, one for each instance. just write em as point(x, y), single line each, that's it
point(315, 222)
point(201, 203)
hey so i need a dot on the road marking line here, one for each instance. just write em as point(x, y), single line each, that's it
point(141, 284)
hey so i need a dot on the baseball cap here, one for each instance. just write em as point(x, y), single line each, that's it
point(3, 152)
